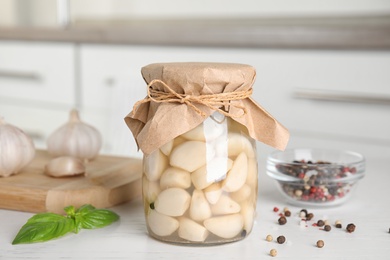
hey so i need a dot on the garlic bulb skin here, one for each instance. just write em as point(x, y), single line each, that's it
point(64, 166)
point(76, 139)
point(16, 149)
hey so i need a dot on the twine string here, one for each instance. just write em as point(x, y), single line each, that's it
point(213, 101)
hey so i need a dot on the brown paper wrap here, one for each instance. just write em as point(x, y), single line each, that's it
point(155, 123)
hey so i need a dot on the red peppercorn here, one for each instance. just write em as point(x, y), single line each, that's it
point(276, 209)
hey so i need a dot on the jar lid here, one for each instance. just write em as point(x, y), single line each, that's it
point(201, 78)
point(182, 95)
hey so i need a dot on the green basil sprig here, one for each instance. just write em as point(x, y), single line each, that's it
point(46, 226)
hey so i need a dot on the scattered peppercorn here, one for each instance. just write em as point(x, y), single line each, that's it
point(327, 228)
point(281, 239)
point(282, 220)
point(320, 243)
point(287, 213)
point(339, 225)
point(273, 252)
point(309, 216)
point(303, 213)
point(320, 223)
point(351, 228)
point(269, 238)
point(276, 209)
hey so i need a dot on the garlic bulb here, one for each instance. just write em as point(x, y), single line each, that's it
point(75, 138)
point(16, 149)
point(64, 166)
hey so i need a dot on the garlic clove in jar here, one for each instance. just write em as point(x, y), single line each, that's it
point(227, 226)
point(16, 149)
point(160, 224)
point(76, 139)
point(191, 230)
point(64, 166)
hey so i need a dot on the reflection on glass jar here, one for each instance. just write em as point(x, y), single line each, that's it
point(201, 187)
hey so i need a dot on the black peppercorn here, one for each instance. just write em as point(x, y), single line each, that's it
point(282, 220)
point(309, 216)
point(351, 228)
point(327, 228)
point(320, 223)
point(287, 213)
point(281, 239)
point(339, 225)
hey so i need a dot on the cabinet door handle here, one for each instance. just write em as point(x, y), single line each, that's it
point(20, 75)
point(343, 96)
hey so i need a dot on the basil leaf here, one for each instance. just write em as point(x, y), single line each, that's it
point(85, 209)
point(70, 210)
point(95, 218)
point(78, 215)
point(43, 227)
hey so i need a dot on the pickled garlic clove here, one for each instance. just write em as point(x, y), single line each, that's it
point(174, 177)
point(200, 208)
point(236, 177)
point(203, 133)
point(238, 143)
point(248, 213)
point(242, 194)
point(150, 189)
point(172, 202)
point(227, 226)
point(167, 148)
point(154, 165)
point(225, 205)
point(191, 230)
point(213, 192)
point(213, 171)
point(251, 178)
point(191, 155)
point(161, 224)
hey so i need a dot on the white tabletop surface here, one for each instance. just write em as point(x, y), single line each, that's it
point(368, 209)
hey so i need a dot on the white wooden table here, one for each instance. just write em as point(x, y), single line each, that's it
point(369, 210)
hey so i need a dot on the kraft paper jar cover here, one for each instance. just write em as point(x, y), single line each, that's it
point(155, 123)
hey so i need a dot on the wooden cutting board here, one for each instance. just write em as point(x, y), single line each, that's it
point(108, 181)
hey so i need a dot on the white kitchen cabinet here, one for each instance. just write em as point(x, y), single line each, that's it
point(37, 86)
point(112, 83)
point(299, 87)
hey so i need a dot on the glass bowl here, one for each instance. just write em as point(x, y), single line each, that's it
point(316, 177)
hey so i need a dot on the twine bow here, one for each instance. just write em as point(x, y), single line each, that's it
point(213, 101)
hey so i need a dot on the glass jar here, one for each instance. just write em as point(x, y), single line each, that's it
point(201, 187)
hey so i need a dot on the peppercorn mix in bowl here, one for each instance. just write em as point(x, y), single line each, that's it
point(316, 177)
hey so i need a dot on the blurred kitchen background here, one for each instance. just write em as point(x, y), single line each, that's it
point(323, 67)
